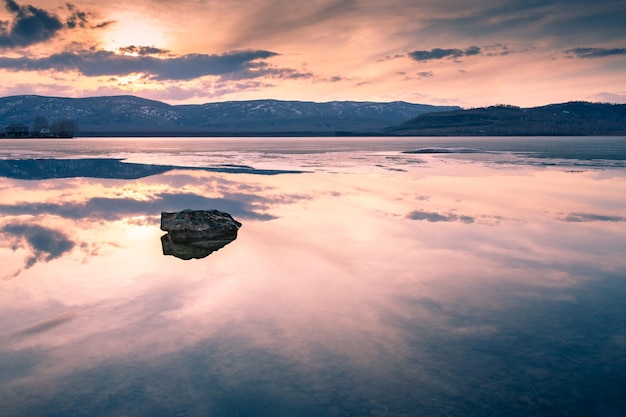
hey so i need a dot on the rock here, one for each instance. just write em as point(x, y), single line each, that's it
point(197, 233)
point(194, 225)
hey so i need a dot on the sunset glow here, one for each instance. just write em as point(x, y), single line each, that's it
point(132, 29)
point(444, 52)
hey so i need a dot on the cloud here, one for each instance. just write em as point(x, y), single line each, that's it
point(235, 64)
point(606, 97)
point(142, 50)
point(266, 20)
point(43, 89)
point(30, 25)
point(545, 22)
point(590, 217)
point(438, 217)
point(175, 92)
point(262, 69)
point(500, 50)
point(46, 244)
point(77, 18)
point(103, 25)
point(439, 53)
point(595, 52)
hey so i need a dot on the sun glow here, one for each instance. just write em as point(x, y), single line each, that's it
point(129, 80)
point(133, 29)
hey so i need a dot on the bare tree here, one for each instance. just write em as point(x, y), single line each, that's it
point(63, 128)
point(39, 124)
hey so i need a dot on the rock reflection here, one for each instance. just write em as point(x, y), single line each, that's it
point(195, 250)
point(195, 234)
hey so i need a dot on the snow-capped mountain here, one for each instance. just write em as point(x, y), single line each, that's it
point(119, 115)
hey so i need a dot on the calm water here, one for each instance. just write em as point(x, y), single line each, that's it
point(465, 277)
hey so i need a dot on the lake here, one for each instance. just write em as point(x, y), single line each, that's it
point(371, 277)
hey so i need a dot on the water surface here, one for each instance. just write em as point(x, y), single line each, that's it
point(371, 277)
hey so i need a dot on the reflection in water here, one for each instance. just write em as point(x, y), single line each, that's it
point(38, 169)
point(44, 244)
point(193, 250)
point(46, 325)
point(439, 217)
point(450, 287)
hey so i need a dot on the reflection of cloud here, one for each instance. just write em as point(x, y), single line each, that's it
point(437, 150)
point(46, 244)
point(590, 217)
point(179, 179)
point(433, 306)
point(46, 325)
point(438, 217)
point(240, 205)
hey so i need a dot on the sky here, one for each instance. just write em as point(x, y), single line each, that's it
point(444, 52)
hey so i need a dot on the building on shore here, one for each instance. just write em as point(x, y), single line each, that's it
point(16, 130)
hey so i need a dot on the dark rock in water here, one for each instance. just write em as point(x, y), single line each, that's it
point(194, 225)
point(197, 233)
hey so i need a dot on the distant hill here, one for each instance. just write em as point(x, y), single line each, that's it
point(574, 118)
point(130, 115)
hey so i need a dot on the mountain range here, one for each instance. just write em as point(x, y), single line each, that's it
point(135, 116)
point(130, 115)
point(565, 119)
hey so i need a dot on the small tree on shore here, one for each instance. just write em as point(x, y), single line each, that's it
point(64, 128)
point(39, 124)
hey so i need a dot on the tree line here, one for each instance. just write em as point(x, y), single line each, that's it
point(64, 127)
